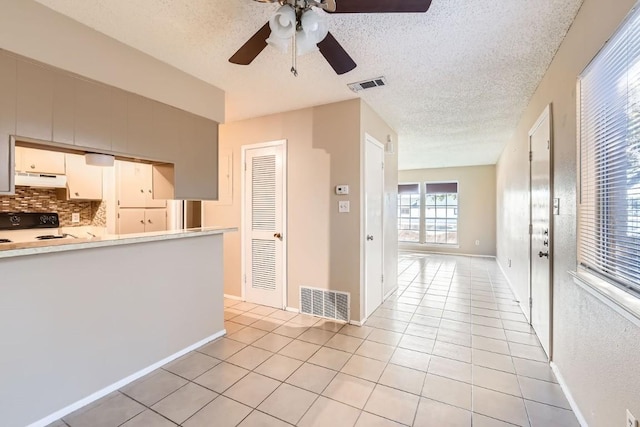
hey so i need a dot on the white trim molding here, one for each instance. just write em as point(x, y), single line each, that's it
point(123, 382)
point(233, 297)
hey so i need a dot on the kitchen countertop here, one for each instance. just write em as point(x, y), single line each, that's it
point(9, 250)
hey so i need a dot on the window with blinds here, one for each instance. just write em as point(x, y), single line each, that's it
point(441, 213)
point(609, 163)
point(409, 212)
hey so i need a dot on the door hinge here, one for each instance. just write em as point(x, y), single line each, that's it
point(382, 165)
point(530, 302)
point(118, 216)
point(530, 229)
point(530, 155)
point(118, 202)
point(382, 278)
point(548, 144)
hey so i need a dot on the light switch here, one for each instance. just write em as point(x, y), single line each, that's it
point(75, 217)
point(343, 206)
point(342, 189)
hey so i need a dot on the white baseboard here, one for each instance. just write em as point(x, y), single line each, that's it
point(523, 303)
point(233, 297)
point(567, 393)
point(358, 323)
point(293, 310)
point(389, 293)
point(434, 250)
point(123, 382)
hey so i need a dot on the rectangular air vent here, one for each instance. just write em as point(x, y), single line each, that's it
point(323, 303)
point(368, 84)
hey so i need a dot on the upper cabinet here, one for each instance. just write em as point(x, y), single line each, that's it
point(140, 125)
point(44, 103)
point(84, 182)
point(7, 120)
point(135, 186)
point(92, 115)
point(34, 101)
point(40, 161)
point(63, 108)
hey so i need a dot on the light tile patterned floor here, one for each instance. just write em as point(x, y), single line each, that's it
point(449, 348)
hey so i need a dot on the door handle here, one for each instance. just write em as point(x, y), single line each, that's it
point(369, 237)
point(541, 254)
point(278, 236)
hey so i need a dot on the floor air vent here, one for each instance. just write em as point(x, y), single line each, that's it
point(367, 84)
point(319, 302)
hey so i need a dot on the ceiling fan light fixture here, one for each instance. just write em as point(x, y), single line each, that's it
point(279, 44)
point(305, 43)
point(283, 22)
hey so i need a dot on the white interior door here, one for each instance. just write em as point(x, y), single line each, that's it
point(540, 181)
point(263, 228)
point(373, 207)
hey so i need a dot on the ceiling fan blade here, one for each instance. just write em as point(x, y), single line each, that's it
point(382, 6)
point(252, 48)
point(335, 55)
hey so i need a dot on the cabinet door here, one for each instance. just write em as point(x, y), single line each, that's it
point(155, 220)
point(93, 109)
point(139, 126)
point(118, 116)
point(131, 221)
point(131, 182)
point(63, 107)
point(34, 101)
point(83, 181)
point(197, 168)
point(150, 202)
point(168, 128)
point(7, 119)
point(41, 161)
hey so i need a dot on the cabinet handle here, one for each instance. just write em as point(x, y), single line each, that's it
point(77, 194)
point(33, 166)
point(150, 222)
point(141, 190)
point(142, 221)
point(150, 192)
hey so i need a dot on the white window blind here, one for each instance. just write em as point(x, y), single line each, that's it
point(609, 138)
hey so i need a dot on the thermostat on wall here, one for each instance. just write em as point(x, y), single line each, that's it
point(342, 189)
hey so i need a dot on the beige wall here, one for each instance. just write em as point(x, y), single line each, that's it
point(477, 206)
point(323, 151)
point(72, 324)
point(35, 31)
point(596, 349)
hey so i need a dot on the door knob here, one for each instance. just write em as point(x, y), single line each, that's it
point(541, 254)
point(369, 237)
point(277, 236)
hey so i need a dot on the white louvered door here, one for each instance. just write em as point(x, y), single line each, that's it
point(264, 236)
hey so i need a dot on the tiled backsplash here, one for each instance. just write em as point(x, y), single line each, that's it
point(28, 199)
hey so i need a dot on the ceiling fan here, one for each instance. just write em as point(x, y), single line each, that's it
point(299, 21)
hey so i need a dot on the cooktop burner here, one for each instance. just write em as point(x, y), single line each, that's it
point(49, 237)
point(5, 241)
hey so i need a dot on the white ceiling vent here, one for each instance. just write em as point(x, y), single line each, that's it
point(367, 84)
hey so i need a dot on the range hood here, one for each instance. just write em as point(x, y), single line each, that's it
point(41, 180)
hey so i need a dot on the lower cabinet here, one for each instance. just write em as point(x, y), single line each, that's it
point(141, 220)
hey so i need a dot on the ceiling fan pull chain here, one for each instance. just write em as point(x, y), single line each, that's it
point(294, 57)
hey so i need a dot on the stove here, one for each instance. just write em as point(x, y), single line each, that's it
point(22, 227)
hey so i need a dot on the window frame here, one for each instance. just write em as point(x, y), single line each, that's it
point(614, 291)
point(419, 193)
point(422, 242)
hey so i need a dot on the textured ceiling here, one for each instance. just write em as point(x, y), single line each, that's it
point(459, 76)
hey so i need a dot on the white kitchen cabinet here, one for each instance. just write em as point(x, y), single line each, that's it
point(135, 186)
point(40, 161)
point(7, 120)
point(133, 220)
point(84, 182)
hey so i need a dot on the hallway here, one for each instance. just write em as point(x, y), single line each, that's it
point(449, 348)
